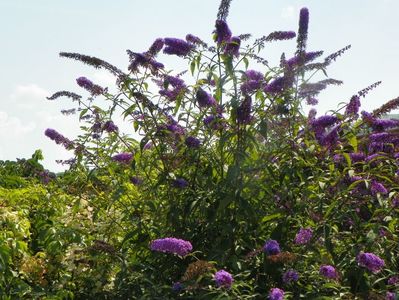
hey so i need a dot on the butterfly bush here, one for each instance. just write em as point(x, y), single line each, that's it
point(172, 245)
point(231, 153)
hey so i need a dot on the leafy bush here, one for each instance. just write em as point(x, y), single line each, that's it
point(231, 191)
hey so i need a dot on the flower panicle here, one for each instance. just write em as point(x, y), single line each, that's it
point(335, 55)
point(224, 9)
point(302, 30)
point(366, 90)
point(95, 62)
point(73, 96)
point(386, 108)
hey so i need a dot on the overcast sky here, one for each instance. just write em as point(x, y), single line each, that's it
point(33, 32)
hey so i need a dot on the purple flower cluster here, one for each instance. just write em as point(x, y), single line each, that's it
point(88, 85)
point(192, 142)
point(180, 183)
point(110, 126)
point(280, 35)
point(223, 32)
point(123, 157)
point(253, 81)
point(204, 99)
point(391, 296)
point(393, 280)
point(177, 287)
point(377, 187)
point(277, 85)
point(303, 29)
point(136, 180)
point(178, 87)
point(58, 138)
point(223, 279)
point(290, 276)
point(328, 271)
point(303, 58)
point(145, 60)
point(177, 47)
point(276, 294)
point(172, 245)
point(233, 46)
point(370, 261)
point(353, 106)
point(303, 236)
point(244, 111)
point(271, 247)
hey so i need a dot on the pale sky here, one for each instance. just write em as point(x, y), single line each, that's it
point(33, 32)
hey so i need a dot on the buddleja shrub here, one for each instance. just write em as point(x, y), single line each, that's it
point(231, 191)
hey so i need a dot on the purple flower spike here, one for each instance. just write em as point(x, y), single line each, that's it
point(328, 271)
point(177, 47)
point(390, 296)
point(156, 47)
point(233, 47)
point(244, 111)
point(303, 236)
point(276, 86)
point(223, 279)
point(393, 280)
point(280, 35)
point(177, 287)
point(276, 294)
point(290, 276)
point(88, 85)
point(123, 157)
point(303, 29)
point(110, 126)
point(180, 183)
point(172, 245)
point(370, 261)
point(353, 106)
point(377, 187)
point(271, 247)
point(223, 33)
point(58, 138)
point(192, 142)
point(204, 99)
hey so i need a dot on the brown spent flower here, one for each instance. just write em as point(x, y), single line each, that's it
point(282, 257)
point(196, 269)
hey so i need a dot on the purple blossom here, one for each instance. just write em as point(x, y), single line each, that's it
point(276, 294)
point(192, 142)
point(58, 138)
point(254, 75)
point(304, 58)
point(143, 60)
point(250, 86)
point(88, 85)
point(353, 106)
point(213, 122)
point(312, 114)
point(156, 47)
point(110, 126)
point(367, 117)
point(204, 99)
point(177, 287)
point(280, 35)
point(244, 111)
point(223, 33)
point(393, 280)
point(136, 180)
point(370, 261)
point(303, 29)
point(194, 39)
point(357, 157)
point(383, 137)
point(382, 125)
point(233, 46)
point(177, 47)
point(290, 276)
point(271, 247)
point(172, 245)
point(276, 86)
point(377, 187)
point(324, 121)
point(180, 183)
point(390, 296)
point(123, 157)
point(328, 271)
point(303, 236)
point(223, 279)
point(311, 101)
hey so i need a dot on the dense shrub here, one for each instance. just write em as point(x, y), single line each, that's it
point(231, 191)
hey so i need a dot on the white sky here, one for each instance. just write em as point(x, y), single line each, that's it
point(34, 32)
